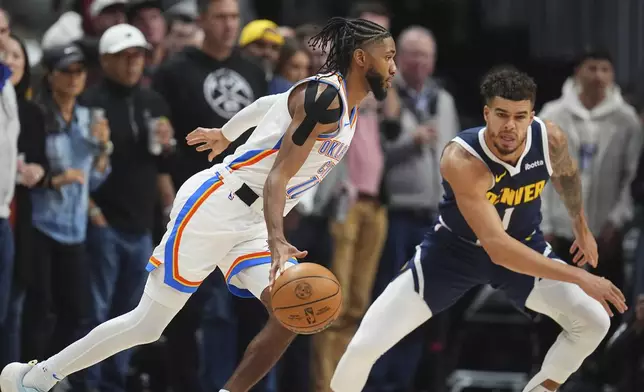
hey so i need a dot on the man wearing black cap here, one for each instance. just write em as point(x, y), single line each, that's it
point(60, 208)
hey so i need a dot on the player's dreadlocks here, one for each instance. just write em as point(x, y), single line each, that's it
point(343, 36)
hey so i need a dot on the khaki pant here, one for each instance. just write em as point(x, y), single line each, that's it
point(358, 244)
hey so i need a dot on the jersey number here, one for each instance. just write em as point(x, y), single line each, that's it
point(297, 189)
point(507, 215)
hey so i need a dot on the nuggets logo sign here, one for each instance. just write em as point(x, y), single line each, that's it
point(227, 92)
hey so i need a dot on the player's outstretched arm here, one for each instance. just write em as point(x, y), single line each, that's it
point(567, 182)
point(470, 179)
point(315, 108)
point(217, 140)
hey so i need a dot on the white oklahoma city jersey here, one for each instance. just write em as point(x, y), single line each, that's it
point(252, 161)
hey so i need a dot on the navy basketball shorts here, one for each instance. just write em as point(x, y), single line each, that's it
point(446, 266)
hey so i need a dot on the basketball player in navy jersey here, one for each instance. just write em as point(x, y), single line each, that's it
point(488, 232)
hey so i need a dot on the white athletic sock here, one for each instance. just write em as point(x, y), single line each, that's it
point(223, 390)
point(142, 325)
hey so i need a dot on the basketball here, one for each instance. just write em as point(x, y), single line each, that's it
point(306, 298)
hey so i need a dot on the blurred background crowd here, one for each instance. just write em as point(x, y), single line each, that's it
point(98, 96)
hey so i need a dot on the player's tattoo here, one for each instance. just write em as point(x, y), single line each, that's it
point(565, 175)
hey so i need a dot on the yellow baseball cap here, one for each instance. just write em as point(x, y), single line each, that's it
point(260, 29)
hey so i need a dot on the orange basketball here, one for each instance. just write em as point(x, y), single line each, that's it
point(306, 298)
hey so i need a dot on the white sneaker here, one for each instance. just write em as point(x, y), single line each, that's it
point(12, 375)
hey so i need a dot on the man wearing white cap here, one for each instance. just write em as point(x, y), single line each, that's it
point(122, 210)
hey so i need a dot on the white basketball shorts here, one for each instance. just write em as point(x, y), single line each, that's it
point(210, 227)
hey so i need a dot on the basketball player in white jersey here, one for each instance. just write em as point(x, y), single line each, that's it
point(230, 216)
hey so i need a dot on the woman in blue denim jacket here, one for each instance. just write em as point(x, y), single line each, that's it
point(77, 149)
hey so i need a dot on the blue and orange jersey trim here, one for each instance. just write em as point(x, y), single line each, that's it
point(153, 263)
point(252, 157)
point(246, 261)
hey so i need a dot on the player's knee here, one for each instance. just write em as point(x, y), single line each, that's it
point(145, 323)
point(593, 322)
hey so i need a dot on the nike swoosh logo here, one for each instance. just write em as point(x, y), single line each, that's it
point(498, 178)
point(347, 124)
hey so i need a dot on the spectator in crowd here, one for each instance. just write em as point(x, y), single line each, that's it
point(286, 32)
point(637, 192)
point(32, 169)
point(105, 14)
point(292, 66)
point(122, 209)
point(9, 130)
point(216, 81)
point(261, 39)
point(413, 182)
point(85, 31)
point(5, 24)
point(183, 29)
point(68, 28)
point(77, 150)
point(605, 135)
point(206, 86)
point(101, 15)
point(147, 16)
point(303, 34)
point(359, 224)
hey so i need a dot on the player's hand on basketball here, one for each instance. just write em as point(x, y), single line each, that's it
point(281, 252)
point(605, 292)
point(208, 139)
point(584, 249)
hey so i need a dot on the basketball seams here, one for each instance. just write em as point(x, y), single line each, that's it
point(305, 277)
point(309, 303)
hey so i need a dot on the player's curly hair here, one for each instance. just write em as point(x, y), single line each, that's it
point(508, 83)
point(342, 37)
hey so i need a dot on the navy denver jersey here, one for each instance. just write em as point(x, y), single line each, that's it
point(516, 191)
